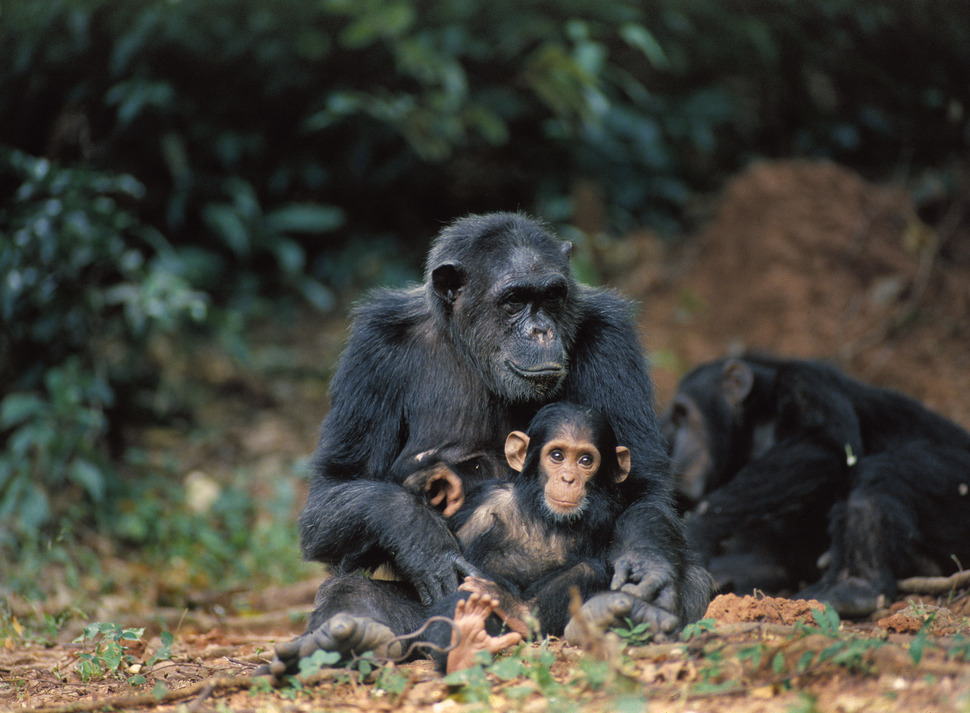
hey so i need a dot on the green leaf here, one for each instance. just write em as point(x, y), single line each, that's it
point(641, 38)
point(304, 218)
point(317, 294)
point(112, 655)
point(804, 661)
point(19, 407)
point(309, 665)
point(827, 620)
point(508, 669)
point(226, 223)
point(918, 645)
point(89, 477)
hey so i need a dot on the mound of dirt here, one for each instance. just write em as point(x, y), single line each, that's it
point(807, 259)
point(732, 609)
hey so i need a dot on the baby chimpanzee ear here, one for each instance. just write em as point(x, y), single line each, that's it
point(516, 446)
point(623, 458)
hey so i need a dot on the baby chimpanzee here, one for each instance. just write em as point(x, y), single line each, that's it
point(533, 538)
point(547, 529)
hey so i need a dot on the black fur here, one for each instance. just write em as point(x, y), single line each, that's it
point(532, 558)
point(534, 555)
point(441, 372)
point(800, 461)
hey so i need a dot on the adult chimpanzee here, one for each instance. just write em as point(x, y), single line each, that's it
point(771, 453)
point(534, 537)
point(439, 374)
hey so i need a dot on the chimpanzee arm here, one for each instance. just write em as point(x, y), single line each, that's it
point(357, 512)
point(792, 478)
point(367, 521)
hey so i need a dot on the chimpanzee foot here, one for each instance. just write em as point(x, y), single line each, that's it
point(343, 633)
point(613, 609)
point(852, 597)
point(470, 637)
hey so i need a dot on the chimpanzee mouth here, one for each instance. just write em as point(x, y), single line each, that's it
point(543, 372)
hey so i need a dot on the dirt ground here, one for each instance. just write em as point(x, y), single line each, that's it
point(800, 259)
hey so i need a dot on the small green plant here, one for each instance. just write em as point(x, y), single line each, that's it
point(697, 628)
point(110, 655)
point(918, 645)
point(471, 685)
point(390, 680)
point(960, 650)
point(319, 659)
point(634, 634)
point(828, 621)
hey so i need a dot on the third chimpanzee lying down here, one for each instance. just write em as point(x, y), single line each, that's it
point(533, 538)
point(772, 454)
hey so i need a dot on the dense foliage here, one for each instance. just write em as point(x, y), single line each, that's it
point(199, 155)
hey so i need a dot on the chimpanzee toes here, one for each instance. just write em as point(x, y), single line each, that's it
point(341, 627)
point(348, 635)
point(616, 608)
point(288, 649)
point(853, 597)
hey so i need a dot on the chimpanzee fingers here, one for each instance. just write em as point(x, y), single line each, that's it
point(432, 586)
point(622, 571)
point(661, 620)
point(467, 569)
point(646, 578)
point(655, 589)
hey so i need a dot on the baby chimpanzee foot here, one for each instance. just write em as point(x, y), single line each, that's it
point(471, 637)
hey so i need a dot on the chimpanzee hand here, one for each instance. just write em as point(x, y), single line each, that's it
point(647, 577)
point(435, 569)
point(431, 568)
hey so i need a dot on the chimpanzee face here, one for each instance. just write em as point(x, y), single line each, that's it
point(568, 463)
point(528, 306)
point(567, 468)
point(511, 311)
point(685, 429)
point(699, 425)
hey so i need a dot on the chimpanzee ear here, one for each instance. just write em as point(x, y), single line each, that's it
point(736, 381)
point(447, 281)
point(516, 446)
point(566, 249)
point(623, 458)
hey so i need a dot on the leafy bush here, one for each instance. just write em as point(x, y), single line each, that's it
point(390, 117)
point(84, 285)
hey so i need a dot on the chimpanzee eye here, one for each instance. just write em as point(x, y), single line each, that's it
point(586, 460)
point(557, 455)
point(555, 296)
point(513, 303)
